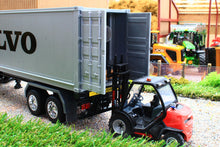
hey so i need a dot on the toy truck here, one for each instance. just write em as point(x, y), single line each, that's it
point(192, 37)
point(185, 44)
point(77, 63)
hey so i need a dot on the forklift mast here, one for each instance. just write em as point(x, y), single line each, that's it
point(120, 78)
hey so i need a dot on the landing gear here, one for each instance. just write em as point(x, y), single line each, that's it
point(18, 84)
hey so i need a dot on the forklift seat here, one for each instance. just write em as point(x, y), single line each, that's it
point(156, 111)
point(153, 108)
point(155, 101)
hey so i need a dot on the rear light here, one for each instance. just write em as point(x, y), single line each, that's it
point(85, 106)
point(113, 97)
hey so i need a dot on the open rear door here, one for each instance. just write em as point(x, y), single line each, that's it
point(93, 50)
point(138, 44)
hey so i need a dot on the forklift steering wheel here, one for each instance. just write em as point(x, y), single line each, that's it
point(134, 100)
point(137, 98)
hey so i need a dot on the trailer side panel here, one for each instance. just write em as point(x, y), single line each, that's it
point(55, 47)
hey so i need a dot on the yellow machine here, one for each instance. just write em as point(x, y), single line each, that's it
point(154, 36)
point(168, 53)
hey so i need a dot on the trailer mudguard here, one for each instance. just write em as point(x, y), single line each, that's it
point(67, 98)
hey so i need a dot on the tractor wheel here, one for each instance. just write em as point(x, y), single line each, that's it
point(174, 137)
point(120, 125)
point(202, 62)
point(202, 59)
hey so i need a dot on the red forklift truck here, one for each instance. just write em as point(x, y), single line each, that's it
point(157, 115)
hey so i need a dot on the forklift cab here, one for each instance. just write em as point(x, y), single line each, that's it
point(157, 114)
point(149, 105)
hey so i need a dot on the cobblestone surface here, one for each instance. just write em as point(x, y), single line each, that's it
point(206, 114)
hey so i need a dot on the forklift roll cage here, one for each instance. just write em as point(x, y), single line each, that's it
point(120, 93)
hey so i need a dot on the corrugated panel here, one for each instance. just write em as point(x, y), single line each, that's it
point(138, 42)
point(17, 4)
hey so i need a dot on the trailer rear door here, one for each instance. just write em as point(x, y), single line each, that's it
point(93, 50)
point(138, 44)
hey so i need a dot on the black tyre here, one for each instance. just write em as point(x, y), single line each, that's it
point(172, 136)
point(54, 109)
point(202, 59)
point(35, 102)
point(4, 79)
point(120, 125)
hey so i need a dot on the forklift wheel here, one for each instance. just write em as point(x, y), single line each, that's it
point(172, 136)
point(120, 125)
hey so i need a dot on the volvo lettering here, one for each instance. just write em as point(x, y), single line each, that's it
point(12, 38)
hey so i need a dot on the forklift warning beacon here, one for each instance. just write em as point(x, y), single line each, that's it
point(77, 62)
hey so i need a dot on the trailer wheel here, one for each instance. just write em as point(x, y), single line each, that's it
point(120, 125)
point(35, 102)
point(172, 136)
point(54, 109)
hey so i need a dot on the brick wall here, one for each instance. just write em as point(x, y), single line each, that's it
point(31, 4)
point(70, 3)
point(17, 4)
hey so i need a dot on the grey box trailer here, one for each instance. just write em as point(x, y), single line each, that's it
point(69, 50)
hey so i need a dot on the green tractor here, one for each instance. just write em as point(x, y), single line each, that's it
point(192, 38)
